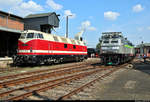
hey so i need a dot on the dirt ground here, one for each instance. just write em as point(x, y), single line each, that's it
point(126, 84)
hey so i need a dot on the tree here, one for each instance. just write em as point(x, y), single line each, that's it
point(98, 46)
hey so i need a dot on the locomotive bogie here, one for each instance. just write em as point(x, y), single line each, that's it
point(46, 59)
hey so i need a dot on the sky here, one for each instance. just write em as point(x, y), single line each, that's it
point(131, 17)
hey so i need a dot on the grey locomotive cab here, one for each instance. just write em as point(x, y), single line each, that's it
point(115, 49)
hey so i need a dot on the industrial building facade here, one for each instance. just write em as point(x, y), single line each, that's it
point(143, 49)
point(10, 30)
point(12, 25)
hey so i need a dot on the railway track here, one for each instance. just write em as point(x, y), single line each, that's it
point(55, 73)
point(43, 70)
point(58, 78)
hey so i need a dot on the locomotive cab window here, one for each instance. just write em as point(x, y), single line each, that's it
point(30, 35)
point(114, 41)
point(65, 45)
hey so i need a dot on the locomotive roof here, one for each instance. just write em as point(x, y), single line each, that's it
point(40, 15)
point(71, 41)
point(112, 33)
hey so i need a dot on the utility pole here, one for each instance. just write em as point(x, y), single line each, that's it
point(142, 48)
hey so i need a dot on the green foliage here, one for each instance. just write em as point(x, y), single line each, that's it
point(98, 45)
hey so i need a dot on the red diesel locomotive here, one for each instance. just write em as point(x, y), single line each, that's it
point(38, 47)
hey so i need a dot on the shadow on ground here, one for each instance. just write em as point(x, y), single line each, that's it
point(37, 65)
point(142, 66)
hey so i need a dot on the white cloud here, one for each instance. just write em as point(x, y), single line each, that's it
point(111, 15)
point(31, 6)
point(54, 5)
point(137, 8)
point(19, 7)
point(140, 29)
point(148, 28)
point(9, 3)
point(87, 25)
point(92, 29)
point(68, 12)
point(26, 8)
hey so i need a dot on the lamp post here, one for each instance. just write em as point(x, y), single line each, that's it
point(142, 48)
point(67, 25)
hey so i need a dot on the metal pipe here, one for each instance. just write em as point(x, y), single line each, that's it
point(67, 27)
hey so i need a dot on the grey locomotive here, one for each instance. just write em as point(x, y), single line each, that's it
point(115, 49)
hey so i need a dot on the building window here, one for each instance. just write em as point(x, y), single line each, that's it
point(65, 45)
point(2, 16)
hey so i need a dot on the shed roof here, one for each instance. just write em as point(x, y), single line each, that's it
point(145, 45)
point(41, 15)
point(9, 14)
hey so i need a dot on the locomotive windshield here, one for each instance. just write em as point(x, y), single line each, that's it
point(106, 37)
point(105, 41)
point(114, 41)
point(30, 35)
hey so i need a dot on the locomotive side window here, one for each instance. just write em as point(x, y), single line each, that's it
point(30, 35)
point(65, 45)
point(74, 46)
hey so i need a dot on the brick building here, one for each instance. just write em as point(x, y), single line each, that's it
point(11, 26)
point(10, 30)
